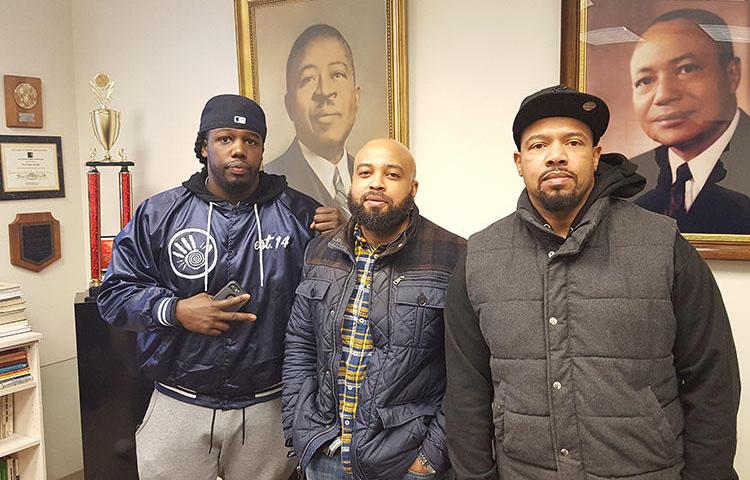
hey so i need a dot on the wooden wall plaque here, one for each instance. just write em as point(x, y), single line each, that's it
point(23, 102)
point(34, 241)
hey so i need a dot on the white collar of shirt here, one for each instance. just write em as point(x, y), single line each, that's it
point(325, 169)
point(703, 163)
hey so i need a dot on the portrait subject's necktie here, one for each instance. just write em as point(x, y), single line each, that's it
point(676, 206)
point(340, 197)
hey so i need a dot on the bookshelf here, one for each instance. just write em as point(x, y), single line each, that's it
point(27, 443)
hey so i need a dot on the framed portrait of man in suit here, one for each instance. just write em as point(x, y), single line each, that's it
point(675, 77)
point(330, 75)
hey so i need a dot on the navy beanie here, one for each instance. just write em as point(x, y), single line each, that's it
point(233, 111)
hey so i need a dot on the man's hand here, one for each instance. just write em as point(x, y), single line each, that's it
point(327, 218)
point(202, 314)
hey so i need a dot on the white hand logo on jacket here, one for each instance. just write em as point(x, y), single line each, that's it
point(189, 253)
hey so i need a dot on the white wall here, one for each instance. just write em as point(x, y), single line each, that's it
point(167, 58)
point(470, 65)
point(469, 69)
point(36, 41)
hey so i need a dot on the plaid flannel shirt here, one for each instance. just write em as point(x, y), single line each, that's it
point(356, 341)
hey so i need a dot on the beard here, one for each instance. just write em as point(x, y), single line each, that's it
point(235, 186)
point(385, 221)
point(558, 201)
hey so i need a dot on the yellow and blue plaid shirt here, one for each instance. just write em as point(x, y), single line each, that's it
point(356, 341)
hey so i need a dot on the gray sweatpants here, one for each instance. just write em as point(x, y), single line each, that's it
point(174, 441)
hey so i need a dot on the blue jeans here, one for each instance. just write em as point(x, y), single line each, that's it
point(323, 467)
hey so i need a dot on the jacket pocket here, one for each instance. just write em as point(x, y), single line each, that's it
point(313, 288)
point(388, 452)
point(314, 291)
point(398, 415)
point(656, 413)
point(420, 306)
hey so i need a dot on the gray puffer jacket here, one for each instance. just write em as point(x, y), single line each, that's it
point(604, 355)
point(399, 409)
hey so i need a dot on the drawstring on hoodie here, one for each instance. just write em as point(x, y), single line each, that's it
point(261, 246)
point(208, 244)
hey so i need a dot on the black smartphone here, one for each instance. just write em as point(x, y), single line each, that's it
point(231, 289)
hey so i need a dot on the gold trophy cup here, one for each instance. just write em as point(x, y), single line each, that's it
point(104, 120)
point(106, 125)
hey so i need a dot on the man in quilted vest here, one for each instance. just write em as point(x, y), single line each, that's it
point(585, 337)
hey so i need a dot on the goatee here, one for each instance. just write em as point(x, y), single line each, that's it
point(557, 200)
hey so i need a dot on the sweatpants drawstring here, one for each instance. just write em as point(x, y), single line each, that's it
point(211, 436)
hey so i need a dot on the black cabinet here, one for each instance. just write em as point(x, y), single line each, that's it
point(114, 396)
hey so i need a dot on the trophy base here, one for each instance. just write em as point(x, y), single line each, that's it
point(103, 163)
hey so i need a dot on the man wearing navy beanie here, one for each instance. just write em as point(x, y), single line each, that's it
point(215, 363)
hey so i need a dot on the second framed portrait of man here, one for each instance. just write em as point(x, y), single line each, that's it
point(330, 75)
point(675, 78)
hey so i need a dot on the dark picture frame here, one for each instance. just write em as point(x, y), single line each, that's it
point(597, 39)
point(31, 167)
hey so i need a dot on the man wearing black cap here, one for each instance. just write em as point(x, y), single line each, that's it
point(216, 366)
point(585, 338)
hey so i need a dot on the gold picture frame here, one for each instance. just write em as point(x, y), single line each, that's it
point(612, 21)
point(247, 13)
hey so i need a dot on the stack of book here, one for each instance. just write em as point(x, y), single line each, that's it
point(12, 310)
point(14, 367)
point(9, 469)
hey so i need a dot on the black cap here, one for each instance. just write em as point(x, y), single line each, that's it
point(233, 111)
point(561, 101)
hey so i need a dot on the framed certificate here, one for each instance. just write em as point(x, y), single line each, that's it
point(30, 167)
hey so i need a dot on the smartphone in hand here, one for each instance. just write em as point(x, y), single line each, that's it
point(231, 289)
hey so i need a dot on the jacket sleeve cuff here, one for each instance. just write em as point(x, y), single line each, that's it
point(164, 312)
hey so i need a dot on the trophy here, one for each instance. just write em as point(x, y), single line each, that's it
point(104, 120)
point(106, 125)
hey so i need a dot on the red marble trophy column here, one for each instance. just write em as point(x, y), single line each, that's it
point(126, 203)
point(95, 226)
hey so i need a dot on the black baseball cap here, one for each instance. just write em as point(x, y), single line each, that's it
point(233, 111)
point(561, 101)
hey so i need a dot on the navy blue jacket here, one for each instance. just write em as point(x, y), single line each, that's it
point(399, 409)
point(163, 255)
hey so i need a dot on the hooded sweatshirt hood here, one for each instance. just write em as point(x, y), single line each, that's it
point(614, 177)
point(269, 187)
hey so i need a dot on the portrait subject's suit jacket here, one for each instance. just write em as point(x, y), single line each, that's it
point(723, 204)
point(300, 175)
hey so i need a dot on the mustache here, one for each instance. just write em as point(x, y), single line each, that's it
point(237, 163)
point(557, 171)
point(378, 195)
